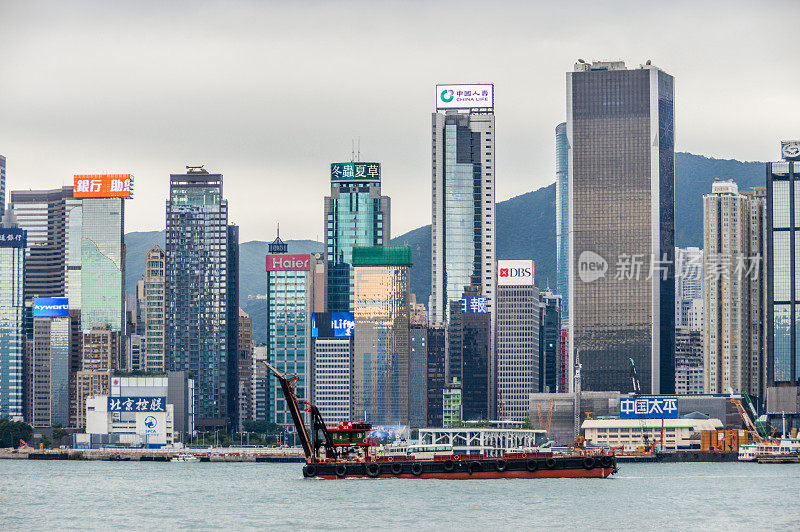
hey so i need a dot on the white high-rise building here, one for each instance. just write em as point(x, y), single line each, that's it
point(733, 326)
point(688, 285)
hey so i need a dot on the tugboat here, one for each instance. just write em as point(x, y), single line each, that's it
point(347, 452)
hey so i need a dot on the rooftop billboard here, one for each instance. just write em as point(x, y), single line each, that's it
point(50, 307)
point(103, 186)
point(648, 408)
point(515, 272)
point(12, 237)
point(465, 96)
point(356, 171)
point(332, 324)
point(284, 263)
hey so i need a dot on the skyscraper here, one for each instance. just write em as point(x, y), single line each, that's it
point(463, 246)
point(436, 376)
point(43, 215)
point(381, 358)
point(418, 376)
point(332, 353)
point(2, 184)
point(49, 380)
point(244, 379)
point(198, 290)
point(549, 341)
point(518, 322)
point(783, 284)
point(732, 261)
point(12, 309)
point(688, 285)
point(620, 135)
point(562, 218)
point(355, 215)
point(99, 359)
point(153, 312)
point(103, 248)
point(293, 284)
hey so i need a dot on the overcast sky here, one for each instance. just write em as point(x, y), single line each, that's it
point(270, 93)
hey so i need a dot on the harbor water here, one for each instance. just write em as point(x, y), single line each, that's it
point(156, 495)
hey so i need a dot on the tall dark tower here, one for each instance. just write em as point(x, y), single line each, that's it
point(621, 146)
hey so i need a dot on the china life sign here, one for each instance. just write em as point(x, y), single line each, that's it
point(648, 408)
point(355, 171)
point(12, 238)
point(465, 96)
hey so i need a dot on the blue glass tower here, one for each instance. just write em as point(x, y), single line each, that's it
point(562, 218)
point(12, 309)
point(355, 215)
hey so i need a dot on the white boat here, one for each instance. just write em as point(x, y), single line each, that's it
point(184, 457)
point(769, 448)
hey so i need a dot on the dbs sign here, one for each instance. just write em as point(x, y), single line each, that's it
point(515, 272)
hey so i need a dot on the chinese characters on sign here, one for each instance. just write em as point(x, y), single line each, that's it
point(473, 305)
point(648, 408)
point(103, 186)
point(12, 238)
point(137, 404)
point(465, 96)
point(355, 171)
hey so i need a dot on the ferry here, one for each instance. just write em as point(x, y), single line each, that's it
point(347, 452)
point(781, 448)
point(184, 457)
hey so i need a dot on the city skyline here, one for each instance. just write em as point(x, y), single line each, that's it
point(235, 119)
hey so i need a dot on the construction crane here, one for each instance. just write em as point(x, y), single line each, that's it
point(759, 433)
point(634, 378)
point(542, 423)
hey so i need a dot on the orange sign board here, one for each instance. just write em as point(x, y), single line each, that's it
point(103, 186)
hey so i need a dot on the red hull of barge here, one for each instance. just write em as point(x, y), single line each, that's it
point(460, 475)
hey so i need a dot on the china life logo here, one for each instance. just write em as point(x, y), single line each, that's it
point(447, 95)
point(591, 266)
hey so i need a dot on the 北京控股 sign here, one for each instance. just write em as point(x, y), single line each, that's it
point(283, 263)
point(103, 186)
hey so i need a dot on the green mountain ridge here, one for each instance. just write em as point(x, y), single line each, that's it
point(525, 230)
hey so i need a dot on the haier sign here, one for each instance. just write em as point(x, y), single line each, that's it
point(50, 307)
point(515, 272)
point(283, 263)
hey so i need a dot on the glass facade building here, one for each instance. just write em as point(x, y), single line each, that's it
point(153, 319)
point(620, 133)
point(783, 283)
point(12, 310)
point(549, 341)
point(562, 219)
point(418, 377)
point(382, 357)
point(292, 284)
point(200, 296)
point(103, 264)
point(436, 376)
point(51, 372)
point(463, 246)
point(2, 184)
point(355, 215)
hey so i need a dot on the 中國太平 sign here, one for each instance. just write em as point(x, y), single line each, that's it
point(648, 408)
point(103, 186)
